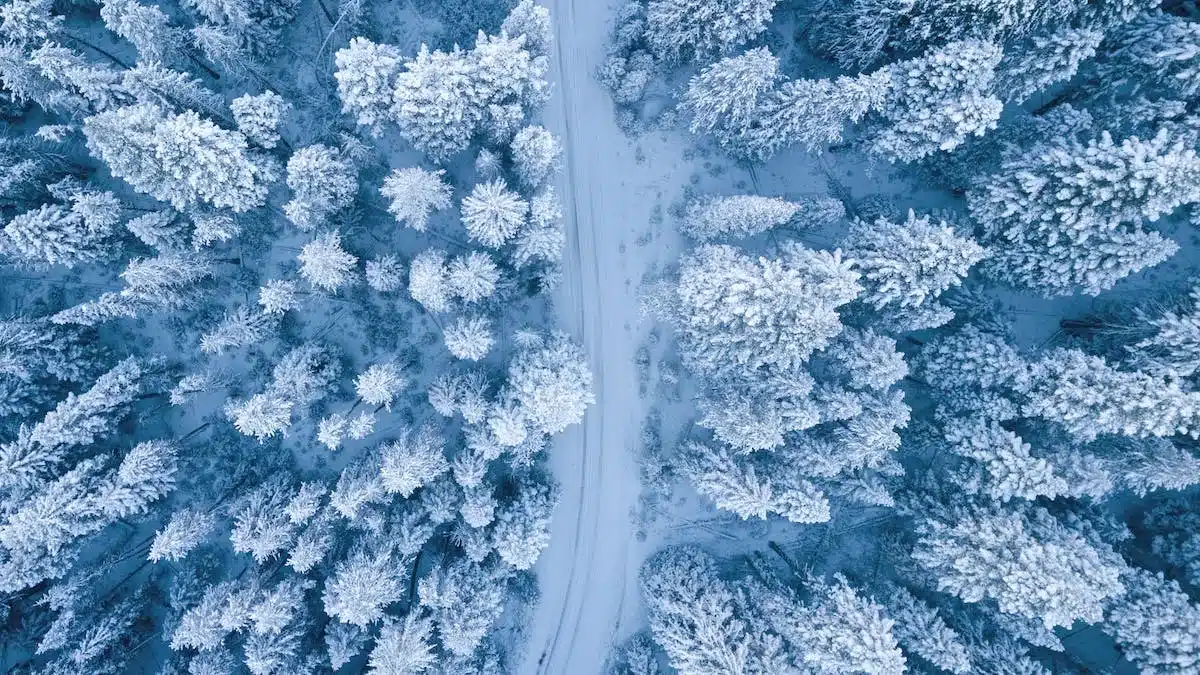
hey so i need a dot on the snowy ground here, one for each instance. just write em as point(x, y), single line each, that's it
point(588, 575)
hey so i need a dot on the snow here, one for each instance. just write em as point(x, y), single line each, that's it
point(588, 574)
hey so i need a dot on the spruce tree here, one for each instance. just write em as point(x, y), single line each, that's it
point(366, 76)
point(907, 264)
point(413, 460)
point(1068, 215)
point(414, 194)
point(259, 117)
point(325, 264)
point(1027, 561)
point(1089, 397)
point(493, 214)
point(938, 100)
point(552, 384)
point(182, 159)
point(694, 618)
point(814, 113)
point(322, 182)
point(362, 586)
point(437, 101)
point(736, 216)
point(724, 99)
point(522, 529)
point(697, 30)
point(1155, 624)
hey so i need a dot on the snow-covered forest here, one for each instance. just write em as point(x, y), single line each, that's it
point(279, 366)
point(709, 337)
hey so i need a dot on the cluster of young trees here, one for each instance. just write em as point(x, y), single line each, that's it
point(862, 377)
point(207, 218)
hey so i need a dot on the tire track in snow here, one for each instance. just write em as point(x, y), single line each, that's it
point(564, 16)
point(584, 572)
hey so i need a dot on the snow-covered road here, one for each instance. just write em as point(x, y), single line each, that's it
point(588, 574)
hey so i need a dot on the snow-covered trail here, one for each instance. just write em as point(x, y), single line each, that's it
point(588, 574)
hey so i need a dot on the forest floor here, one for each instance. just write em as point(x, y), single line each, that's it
point(610, 187)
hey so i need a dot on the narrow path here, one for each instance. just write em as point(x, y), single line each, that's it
point(588, 574)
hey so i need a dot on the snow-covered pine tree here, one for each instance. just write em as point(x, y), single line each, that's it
point(437, 102)
point(907, 264)
point(922, 631)
point(697, 30)
point(512, 81)
point(362, 586)
point(836, 630)
point(752, 486)
point(53, 234)
point(385, 274)
point(473, 277)
point(1045, 60)
point(530, 21)
point(260, 522)
point(79, 420)
point(712, 217)
point(466, 598)
point(814, 113)
point(146, 26)
point(223, 49)
point(865, 360)
point(380, 383)
point(493, 214)
point(344, 642)
point(1154, 48)
point(259, 117)
point(414, 193)
point(535, 155)
point(404, 647)
point(693, 617)
point(542, 238)
point(724, 99)
point(1009, 469)
point(323, 183)
point(552, 383)
point(151, 83)
point(162, 230)
point(29, 22)
point(1145, 465)
point(938, 100)
point(413, 460)
point(428, 282)
point(240, 328)
point(102, 86)
point(522, 529)
point(1067, 216)
point(1026, 560)
point(182, 159)
point(262, 415)
point(325, 264)
point(278, 296)
point(735, 313)
point(469, 338)
point(1155, 624)
point(1089, 398)
point(972, 358)
point(366, 76)
point(187, 529)
point(213, 226)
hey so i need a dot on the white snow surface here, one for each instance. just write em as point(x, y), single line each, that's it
point(588, 574)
